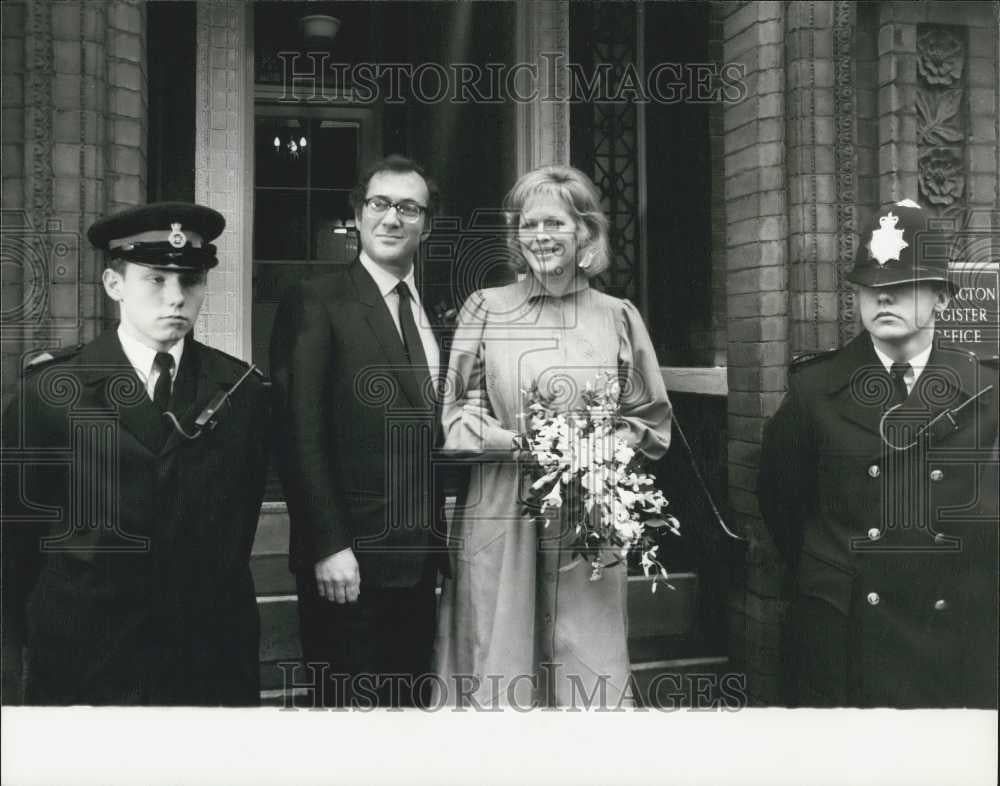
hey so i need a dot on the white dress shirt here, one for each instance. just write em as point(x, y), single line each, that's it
point(917, 365)
point(141, 357)
point(387, 283)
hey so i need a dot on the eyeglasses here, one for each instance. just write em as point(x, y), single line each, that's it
point(409, 212)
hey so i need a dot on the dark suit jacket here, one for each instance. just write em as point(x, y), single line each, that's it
point(355, 433)
point(141, 593)
point(894, 551)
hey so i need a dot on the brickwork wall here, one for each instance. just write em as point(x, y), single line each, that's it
point(866, 139)
point(718, 328)
point(74, 148)
point(224, 175)
point(812, 210)
point(757, 307)
point(16, 296)
point(828, 134)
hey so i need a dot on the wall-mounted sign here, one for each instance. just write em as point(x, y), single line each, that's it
point(972, 319)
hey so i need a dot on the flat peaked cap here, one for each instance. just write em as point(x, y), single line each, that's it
point(899, 248)
point(176, 235)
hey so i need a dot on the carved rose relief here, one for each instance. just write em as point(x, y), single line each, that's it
point(940, 57)
point(941, 179)
point(941, 121)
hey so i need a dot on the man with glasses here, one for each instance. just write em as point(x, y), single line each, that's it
point(355, 363)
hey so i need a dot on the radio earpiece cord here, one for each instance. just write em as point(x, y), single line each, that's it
point(207, 417)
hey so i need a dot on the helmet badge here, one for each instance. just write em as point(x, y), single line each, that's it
point(887, 241)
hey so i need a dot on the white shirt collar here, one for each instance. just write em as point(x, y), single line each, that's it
point(918, 362)
point(386, 281)
point(141, 357)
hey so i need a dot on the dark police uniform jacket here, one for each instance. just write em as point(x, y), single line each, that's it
point(355, 434)
point(126, 545)
point(894, 548)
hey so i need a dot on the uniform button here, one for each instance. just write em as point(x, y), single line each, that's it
point(874, 533)
point(936, 475)
point(940, 604)
point(939, 538)
point(548, 618)
point(873, 599)
point(874, 471)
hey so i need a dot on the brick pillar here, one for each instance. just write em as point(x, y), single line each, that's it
point(812, 186)
point(224, 167)
point(17, 303)
point(542, 124)
point(897, 114)
point(74, 148)
point(757, 307)
point(716, 129)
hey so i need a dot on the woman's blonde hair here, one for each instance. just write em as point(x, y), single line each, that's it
point(583, 203)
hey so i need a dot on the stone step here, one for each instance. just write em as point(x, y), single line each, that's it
point(661, 623)
point(702, 683)
point(657, 622)
point(699, 683)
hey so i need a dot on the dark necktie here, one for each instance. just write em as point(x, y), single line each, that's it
point(899, 391)
point(164, 361)
point(411, 336)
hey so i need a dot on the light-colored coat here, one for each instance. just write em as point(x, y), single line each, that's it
point(519, 599)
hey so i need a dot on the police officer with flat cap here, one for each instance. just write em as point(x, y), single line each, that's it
point(878, 482)
point(131, 509)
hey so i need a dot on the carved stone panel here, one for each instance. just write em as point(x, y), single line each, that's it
point(941, 118)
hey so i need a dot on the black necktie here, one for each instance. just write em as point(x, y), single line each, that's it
point(164, 361)
point(411, 336)
point(899, 391)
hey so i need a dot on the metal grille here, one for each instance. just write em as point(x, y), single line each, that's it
point(611, 159)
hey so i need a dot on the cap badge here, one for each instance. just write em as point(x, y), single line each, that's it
point(887, 241)
point(177, 238)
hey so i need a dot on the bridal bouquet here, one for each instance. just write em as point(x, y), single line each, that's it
point(584, 473)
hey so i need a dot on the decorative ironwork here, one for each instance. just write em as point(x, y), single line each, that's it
point(613, 31)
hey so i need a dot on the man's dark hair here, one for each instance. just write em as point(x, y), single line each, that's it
point(116, 264)
point(401, 165)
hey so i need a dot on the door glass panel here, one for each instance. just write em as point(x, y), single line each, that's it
point(279, 230)
point(331, 223)
point(334, 154)
point(306, 163)
point(281, 159)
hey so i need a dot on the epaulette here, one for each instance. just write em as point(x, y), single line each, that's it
point(239, 366)
point(242, 364)
point(804, 359)
point(50, 356)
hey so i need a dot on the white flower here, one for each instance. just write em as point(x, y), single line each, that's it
point(586, 450)
point(623, 453)
point(553, 499)
point(627, 498)
point(543, 480)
